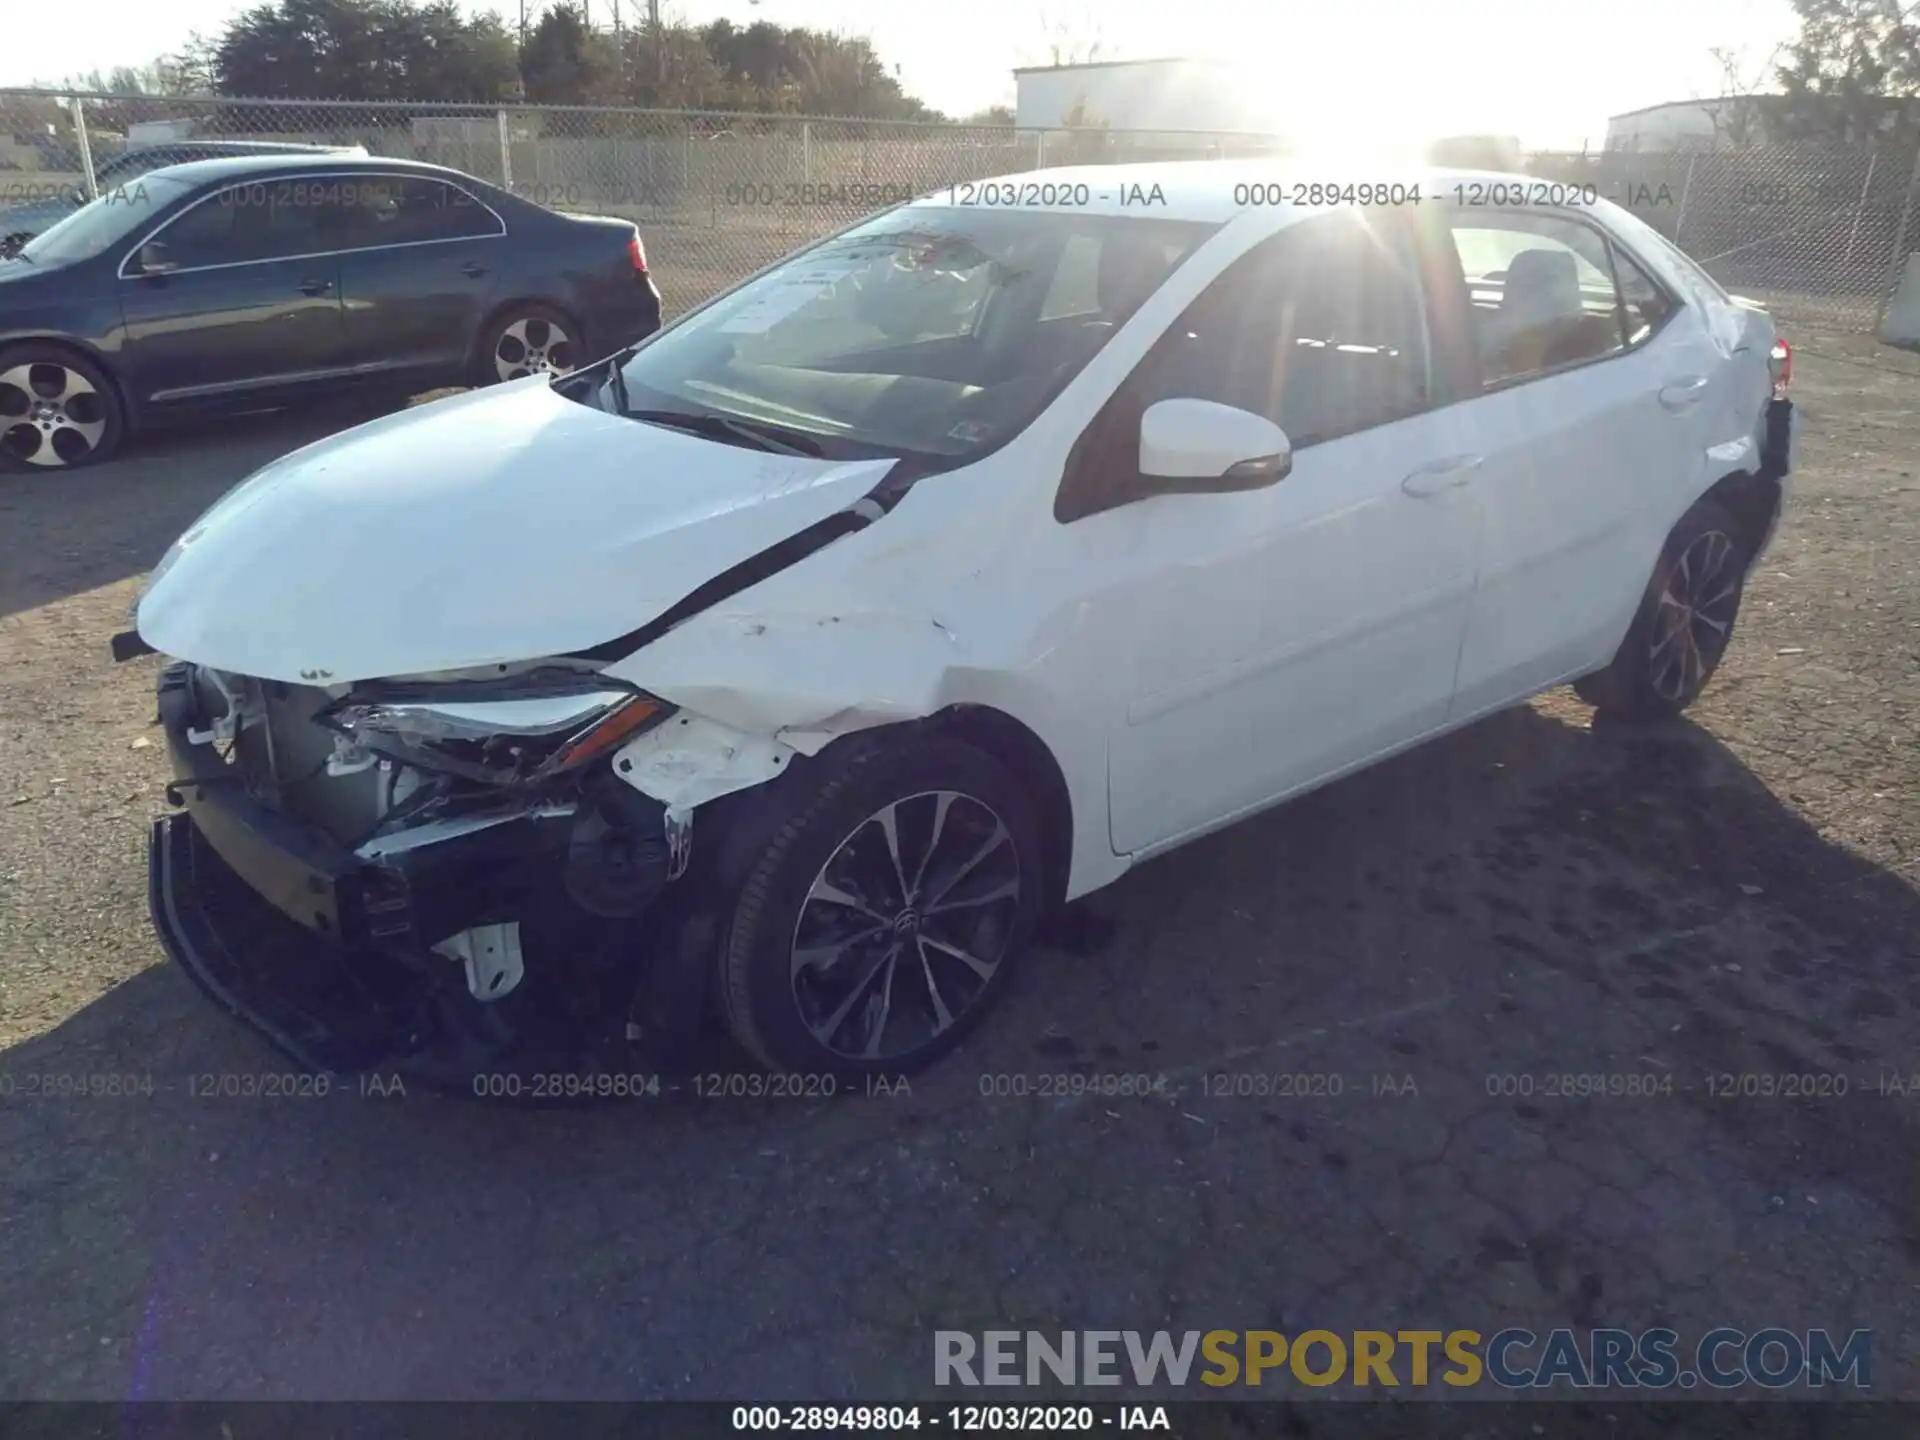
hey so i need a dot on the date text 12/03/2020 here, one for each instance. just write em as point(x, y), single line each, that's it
point(961, 1419)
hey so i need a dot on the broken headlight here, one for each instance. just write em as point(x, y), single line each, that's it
point(507, 741)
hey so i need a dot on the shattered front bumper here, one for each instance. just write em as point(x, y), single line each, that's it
point(327, 1007)
point(326, 954)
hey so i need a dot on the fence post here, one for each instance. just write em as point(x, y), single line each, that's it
point(1039, 149)
point(806, 151)
point(78, 109)
point(1860, 206)
point(1897, 261)
point(506, 150)
point(1686, 188)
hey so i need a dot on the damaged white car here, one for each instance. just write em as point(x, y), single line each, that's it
point(792, 665)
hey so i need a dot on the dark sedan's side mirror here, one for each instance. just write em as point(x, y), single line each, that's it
point(154, 260)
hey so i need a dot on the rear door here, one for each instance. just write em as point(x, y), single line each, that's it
point(420, 274)
point(1588, 421)
point(252, 304)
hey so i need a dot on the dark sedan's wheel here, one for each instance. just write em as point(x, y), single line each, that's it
point(527, 340)
point(57, 411)
point(1684, 623)
point(885, 915)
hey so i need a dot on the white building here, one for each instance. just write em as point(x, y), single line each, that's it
point(158, 132)
point(1153, 95)
point(1692, 124)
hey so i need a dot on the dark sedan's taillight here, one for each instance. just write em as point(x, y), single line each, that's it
point(637, 253)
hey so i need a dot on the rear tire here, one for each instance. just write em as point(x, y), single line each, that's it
point(884, 916)
point(525, 339)
point(58, 410)
point(1684, 624)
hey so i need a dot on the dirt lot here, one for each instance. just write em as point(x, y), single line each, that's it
point(1529, 898)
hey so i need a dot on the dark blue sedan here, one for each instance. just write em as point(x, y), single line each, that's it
point(251, 283)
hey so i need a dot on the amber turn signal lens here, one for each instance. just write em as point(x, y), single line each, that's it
point(623, 721)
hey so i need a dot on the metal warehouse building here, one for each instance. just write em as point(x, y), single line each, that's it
point(1151, 95)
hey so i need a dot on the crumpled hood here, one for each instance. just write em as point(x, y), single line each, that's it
point(500, 525)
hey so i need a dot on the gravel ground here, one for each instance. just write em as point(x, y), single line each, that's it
point(1534, 896)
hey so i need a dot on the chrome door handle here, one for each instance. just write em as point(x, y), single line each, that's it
point(316, 287)
point(473, 269)
point(1682, 393)
point(1448, 474)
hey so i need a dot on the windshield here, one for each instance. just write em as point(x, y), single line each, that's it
point(932, 331)
point(104, 222)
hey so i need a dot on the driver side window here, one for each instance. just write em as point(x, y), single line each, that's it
point(1321, 329)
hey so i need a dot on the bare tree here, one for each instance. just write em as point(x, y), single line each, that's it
point(1071, 39)
point(1738, 112)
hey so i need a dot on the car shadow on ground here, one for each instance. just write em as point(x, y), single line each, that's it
point(1528, 898)
point(103, 523)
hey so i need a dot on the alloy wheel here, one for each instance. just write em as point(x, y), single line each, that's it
point(1695, 615)
point(905, 926)
point(532, 346)
point(50, 415)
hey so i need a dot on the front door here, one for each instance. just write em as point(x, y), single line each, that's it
point(1279, 636)
point(250, 306)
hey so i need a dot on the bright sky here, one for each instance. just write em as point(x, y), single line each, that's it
point(1550, 72)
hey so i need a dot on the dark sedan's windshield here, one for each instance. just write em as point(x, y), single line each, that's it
point(104, 222)
point(930, 330)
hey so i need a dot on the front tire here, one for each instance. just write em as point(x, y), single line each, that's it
point(1684, 624)
point(883, 918)
point(58, 411)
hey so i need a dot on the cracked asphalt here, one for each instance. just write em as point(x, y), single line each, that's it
point(1412, 953)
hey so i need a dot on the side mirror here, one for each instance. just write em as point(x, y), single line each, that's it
point(153, 259)
point(1200, 446)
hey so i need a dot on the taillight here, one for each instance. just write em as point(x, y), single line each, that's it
point(1780, 362)
point(637, 253)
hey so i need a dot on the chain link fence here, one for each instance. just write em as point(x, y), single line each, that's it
point(1820, 235)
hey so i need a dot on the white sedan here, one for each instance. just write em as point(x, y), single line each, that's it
point(818, 646)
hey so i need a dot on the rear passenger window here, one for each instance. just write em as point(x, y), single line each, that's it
point(1541, 293)
point(406, 210)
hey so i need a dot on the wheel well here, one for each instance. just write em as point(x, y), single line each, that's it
point(1032, 763)
point(744, 817)
point(1750, 499)
point(79, 351)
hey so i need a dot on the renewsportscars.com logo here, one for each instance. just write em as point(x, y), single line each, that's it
point(1513, 1359)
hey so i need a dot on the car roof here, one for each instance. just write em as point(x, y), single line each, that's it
point(240, 147)
point(238, 167)
point(1204, 190)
